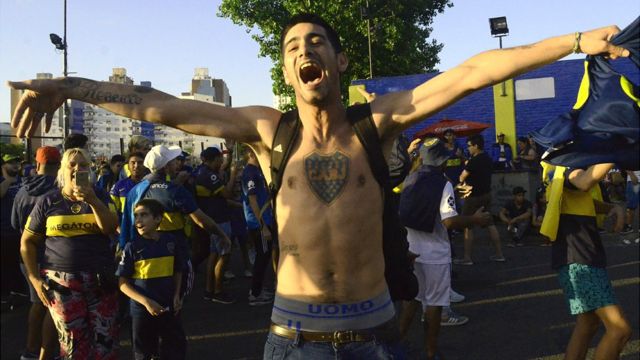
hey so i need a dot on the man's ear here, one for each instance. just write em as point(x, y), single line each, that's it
point(343, 62)
point(286, 76)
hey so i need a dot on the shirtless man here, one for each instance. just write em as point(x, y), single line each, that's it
point(331, 268)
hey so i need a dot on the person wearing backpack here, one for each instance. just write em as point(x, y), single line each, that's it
point(332, 294)
point(428, 210)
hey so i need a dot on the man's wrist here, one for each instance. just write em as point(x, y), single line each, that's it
point(576, 43)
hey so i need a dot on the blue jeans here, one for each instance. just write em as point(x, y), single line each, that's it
point(279, 348)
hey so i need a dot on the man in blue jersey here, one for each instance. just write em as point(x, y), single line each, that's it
point(211, 194)
point(176, 200)
point(150, 274)
point(257, 212)
point(120, 189)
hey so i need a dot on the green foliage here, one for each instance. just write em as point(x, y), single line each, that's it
point(400, 31)
point(12, 149)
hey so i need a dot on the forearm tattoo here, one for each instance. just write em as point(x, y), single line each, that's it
point(91, 91)
point(290, 249)
point(327, 174)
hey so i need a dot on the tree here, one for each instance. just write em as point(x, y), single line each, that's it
point(400, 31)
point(12, 149)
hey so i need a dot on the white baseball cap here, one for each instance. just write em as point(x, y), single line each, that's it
point(160, 155)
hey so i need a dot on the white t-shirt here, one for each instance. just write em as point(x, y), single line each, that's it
point(636, 173)
point(434, 247)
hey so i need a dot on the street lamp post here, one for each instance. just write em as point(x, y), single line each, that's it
point(500, 29)
point(61, 44)
point(366, 13)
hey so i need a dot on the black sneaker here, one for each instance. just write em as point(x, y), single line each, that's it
point(208, 295)
point(627, 229)
point(223, 298)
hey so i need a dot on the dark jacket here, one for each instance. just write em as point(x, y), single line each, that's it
point(32, 188)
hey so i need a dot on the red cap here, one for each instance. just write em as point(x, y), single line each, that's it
point(47, 154)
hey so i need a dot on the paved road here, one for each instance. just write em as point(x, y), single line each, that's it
point(516, 308)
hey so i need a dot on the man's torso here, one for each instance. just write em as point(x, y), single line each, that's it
point(329, 214)
point(479, 168)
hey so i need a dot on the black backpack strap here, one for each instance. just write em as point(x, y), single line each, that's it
point(364, 127)
point(281, 147)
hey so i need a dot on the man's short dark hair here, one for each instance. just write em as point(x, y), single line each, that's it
point(154, 206)
point(476, 140)
point(116, 159)
point(332, 35)
point(75, 140)
point(135, 154)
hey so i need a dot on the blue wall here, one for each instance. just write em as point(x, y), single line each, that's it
point(530, 114)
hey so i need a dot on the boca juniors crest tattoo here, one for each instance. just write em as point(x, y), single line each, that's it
point(327, 174)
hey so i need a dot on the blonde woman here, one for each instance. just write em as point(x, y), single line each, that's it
point(76, 277)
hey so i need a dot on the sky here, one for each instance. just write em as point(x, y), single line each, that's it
point(164, 41)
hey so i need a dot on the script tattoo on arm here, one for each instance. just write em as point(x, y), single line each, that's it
point(93, 92)
point(327, 174)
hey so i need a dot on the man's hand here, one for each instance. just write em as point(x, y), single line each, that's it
point(266, 233)
point(41, 98)
point(41, 289)
point(412, 256)
point(177, 303)
point(464, 190)
point(414, 145)
point(367, 96)
point(596, 42)
point(153, 307)
point(481, 217)
point(85, 193)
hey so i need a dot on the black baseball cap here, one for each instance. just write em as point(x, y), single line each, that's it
point(210, 153)
point(519, 190)
point(433, 152)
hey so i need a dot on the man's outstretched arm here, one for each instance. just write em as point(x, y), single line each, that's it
point(43, 97)
point(395, 112)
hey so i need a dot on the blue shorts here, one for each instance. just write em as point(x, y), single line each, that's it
point(215, 245)
point(632, 195)
point(586, 288)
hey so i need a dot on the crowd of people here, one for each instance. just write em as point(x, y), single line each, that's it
point(336, 225)
point(182, 217)
point(141, 224)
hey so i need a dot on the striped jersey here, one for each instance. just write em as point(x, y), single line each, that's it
point(150, 265)
point(73, 240)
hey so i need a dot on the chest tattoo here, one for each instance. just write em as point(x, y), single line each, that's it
point(327, 174)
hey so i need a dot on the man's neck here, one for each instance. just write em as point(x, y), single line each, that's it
point(321, 121)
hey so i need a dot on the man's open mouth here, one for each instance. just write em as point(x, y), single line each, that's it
point(310, 72)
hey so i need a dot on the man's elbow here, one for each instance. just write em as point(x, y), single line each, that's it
point(448, 223)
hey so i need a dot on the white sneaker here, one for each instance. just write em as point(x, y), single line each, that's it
point(229, 275)
point(453, 319)
point(455, 297)
point(247, 273)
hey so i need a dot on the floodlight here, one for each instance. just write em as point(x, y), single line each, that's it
point(499, 26)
